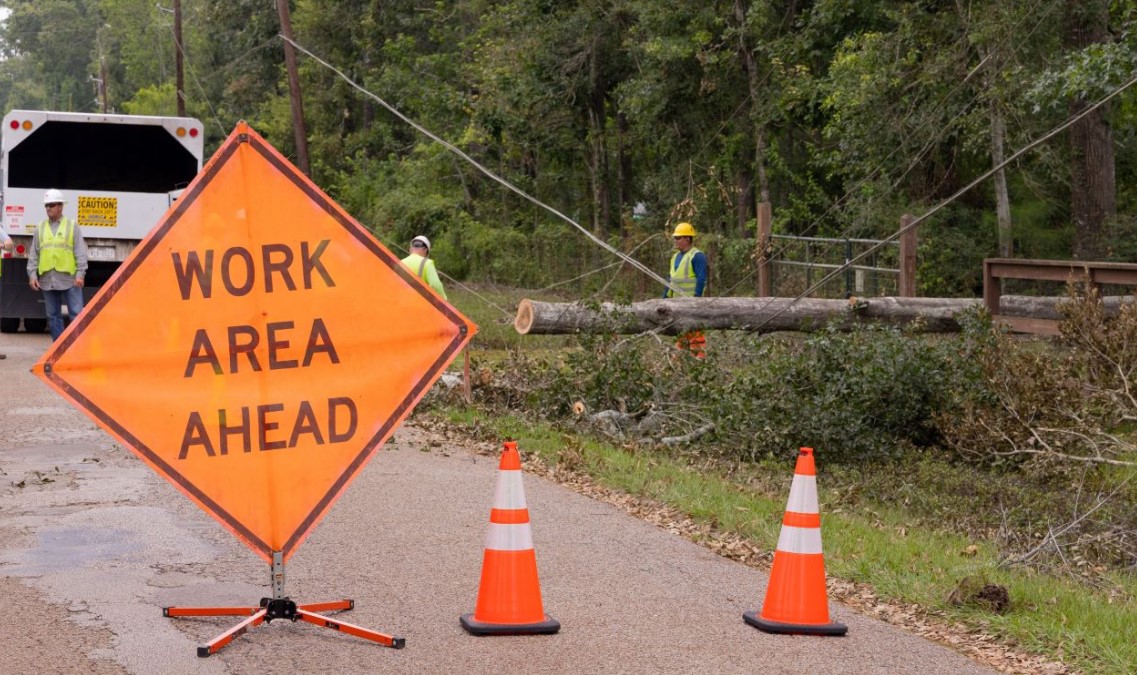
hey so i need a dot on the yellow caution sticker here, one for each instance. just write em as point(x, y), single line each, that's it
point(98, 211)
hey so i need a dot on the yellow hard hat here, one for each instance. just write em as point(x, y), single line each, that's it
point(684, 230)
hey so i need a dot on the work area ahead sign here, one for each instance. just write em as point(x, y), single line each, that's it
point(257, 347)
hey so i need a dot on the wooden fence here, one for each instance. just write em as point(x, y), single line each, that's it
point(1093, 274)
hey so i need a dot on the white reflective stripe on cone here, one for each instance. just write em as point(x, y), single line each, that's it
point(516, 537)
point(510, 494)
point(803, 495)
point(799, 539)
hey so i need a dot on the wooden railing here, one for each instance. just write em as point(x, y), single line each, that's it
point(1092, 274)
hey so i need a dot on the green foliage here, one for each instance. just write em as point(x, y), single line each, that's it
point(1088, 74)
point(157, 100)
point(846, 112)
point(616, 375)
point(862, 395)
point(951, 253)
point(857, 396)
point(58, 37)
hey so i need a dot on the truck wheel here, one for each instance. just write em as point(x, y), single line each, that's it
point(9, 325)
point(35, 325)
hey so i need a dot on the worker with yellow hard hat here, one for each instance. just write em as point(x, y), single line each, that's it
point(688, 277)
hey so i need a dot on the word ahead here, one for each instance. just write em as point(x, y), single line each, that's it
point(337, 426)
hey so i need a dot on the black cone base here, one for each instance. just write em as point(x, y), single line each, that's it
point(549, 625)
point(768, 626)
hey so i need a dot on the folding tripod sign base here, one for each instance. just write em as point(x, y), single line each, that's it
point(281, 607)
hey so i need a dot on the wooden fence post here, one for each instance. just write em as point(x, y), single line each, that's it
point(765, 229)
point(907, 284)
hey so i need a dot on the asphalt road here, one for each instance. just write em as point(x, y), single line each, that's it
point(93, 544)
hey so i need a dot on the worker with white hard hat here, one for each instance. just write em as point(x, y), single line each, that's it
point(57, 263)
point(5, 246)
point(422, 266)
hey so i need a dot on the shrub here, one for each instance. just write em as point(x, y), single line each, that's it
point(862, 395)
point(856, 396)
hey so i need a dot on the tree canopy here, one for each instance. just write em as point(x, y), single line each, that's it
point(842, 114)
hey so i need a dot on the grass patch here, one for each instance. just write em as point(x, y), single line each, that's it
point(903, 558)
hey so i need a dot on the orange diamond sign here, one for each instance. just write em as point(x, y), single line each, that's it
point(257, 347)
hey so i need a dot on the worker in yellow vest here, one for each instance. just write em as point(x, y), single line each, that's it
point(5, 246)
point(422, 266)
point(57, 263)
point(688, 277)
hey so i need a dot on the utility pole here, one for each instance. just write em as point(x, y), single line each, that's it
point(294, 87)
point(179, 76)
point(103, 81)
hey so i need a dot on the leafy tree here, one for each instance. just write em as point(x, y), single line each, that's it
point(57, 37)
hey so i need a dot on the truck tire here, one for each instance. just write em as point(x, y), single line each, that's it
point(9, 325)
point(35, 325)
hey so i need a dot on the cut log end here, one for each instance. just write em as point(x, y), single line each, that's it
point(524, 319)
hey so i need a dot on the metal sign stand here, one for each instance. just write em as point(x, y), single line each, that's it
point(280, 606)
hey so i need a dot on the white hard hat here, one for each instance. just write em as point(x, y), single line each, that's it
point(423, 240)
point(53, 196)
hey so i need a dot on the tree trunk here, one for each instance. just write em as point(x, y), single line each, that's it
point(751, 67)
point(674, 316)
point(623, 168)
point(745, 207)
point(601, 206)
point(299, 131)
point(998, 155)
point(1002, 197)
point(1093, 188)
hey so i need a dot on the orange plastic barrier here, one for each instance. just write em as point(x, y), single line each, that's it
point(796, 599)
point(694, 342)
point(509, 596)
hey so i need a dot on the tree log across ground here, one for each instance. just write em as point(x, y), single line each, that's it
point(674, 316)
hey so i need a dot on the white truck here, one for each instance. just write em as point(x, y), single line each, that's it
point(118, 174)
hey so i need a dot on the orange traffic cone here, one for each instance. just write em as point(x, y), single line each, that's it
point(796, 599)
point(509, 597)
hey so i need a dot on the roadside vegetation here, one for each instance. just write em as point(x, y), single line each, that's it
point(949, 465)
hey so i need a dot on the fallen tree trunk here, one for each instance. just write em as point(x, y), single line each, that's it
point(674, 316)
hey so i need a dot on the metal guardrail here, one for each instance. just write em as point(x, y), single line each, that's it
point(854, 283)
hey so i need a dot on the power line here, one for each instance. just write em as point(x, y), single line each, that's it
point(197, 81)
point(959, 193)
point(597, 240)
point(852, 229)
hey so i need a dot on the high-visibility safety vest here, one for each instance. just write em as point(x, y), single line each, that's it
point(683, 279)
point(424, 269)
point(57, 251)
